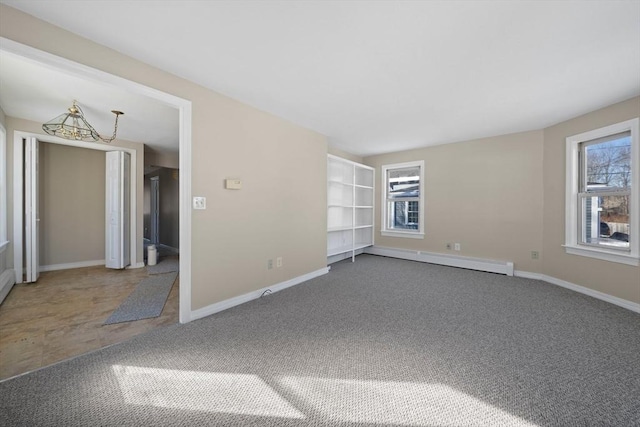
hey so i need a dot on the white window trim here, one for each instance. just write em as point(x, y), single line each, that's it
point(418, 234)
point(571, 198)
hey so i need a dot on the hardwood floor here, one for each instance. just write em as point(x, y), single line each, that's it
point(61, 316)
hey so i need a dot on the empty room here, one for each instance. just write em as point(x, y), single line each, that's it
point(387, 213)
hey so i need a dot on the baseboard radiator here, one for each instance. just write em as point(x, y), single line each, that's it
point(491, 266)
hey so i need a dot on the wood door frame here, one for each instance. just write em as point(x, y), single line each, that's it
point(184, 109)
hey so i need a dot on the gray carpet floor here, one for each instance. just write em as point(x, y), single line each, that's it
point(164, 265)
point(375, 342)
point(146, 301)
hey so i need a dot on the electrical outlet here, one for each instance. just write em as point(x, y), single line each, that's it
point(448, 246)
point(269, 264)
point(199, 203)
point(535, 255)
point(279, 262)
point(456, 246)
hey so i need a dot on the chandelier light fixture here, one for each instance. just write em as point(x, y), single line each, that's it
point(73, 125)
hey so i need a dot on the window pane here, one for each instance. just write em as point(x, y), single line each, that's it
point(605, 221)
point(403, 215)
point(403, 183)
point(608, 163)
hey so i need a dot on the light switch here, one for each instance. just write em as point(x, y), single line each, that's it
point(233, 184)
point(199, 203)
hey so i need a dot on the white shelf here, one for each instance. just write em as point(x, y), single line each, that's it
point(345, 228)
point(360, 246)
point(341, 183)
point(350, 196)
point(340, 250)
point(357, 227)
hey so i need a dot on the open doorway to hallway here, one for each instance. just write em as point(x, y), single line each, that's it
point(161, 210)
point(49, 302)
point(65, 311)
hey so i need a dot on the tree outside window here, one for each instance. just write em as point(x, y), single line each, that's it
point(606, 190)
point(602, 203)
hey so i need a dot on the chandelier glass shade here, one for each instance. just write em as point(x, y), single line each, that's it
point(73, 125)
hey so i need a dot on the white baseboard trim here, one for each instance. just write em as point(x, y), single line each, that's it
point(529, 275)
point(7, 280)
point(340, 257)
point(241, 299)
point(488, 265)
point(629, 305)
point(54, 267)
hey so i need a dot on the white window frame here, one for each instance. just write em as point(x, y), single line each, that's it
point(572, 221)
point(411, 234)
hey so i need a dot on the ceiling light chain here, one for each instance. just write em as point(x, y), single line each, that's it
point(115, 127)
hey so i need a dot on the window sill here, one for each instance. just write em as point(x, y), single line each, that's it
point(603, 255)
point(405, 234)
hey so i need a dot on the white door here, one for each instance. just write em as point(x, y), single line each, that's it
point(117, 210)
point(31, 209)
point(155, 210)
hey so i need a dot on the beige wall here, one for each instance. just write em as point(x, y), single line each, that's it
point(72, 204)
point(161, 158)
point(281, 211)
point(345, 155)
point(504, 197)
point(34, 128)
point(484, 194)
point(615, 279)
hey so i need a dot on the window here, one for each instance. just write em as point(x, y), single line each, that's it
point(403, 207)
point(602, 193)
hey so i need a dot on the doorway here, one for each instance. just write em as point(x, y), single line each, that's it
point(154, 209)
point(183, 108)
point(161, 213)
point(71, 303)
point(26, 220)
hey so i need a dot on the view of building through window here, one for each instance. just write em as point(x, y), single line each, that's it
point(606, 191)
point(403, 196)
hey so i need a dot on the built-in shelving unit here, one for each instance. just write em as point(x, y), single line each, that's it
point(349, 207)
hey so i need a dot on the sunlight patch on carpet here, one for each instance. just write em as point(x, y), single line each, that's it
point(397, 403)
point(202, 391)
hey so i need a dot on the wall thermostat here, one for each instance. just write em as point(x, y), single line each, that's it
point(232, 184)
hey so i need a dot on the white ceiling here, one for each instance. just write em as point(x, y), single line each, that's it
point(382, 76)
